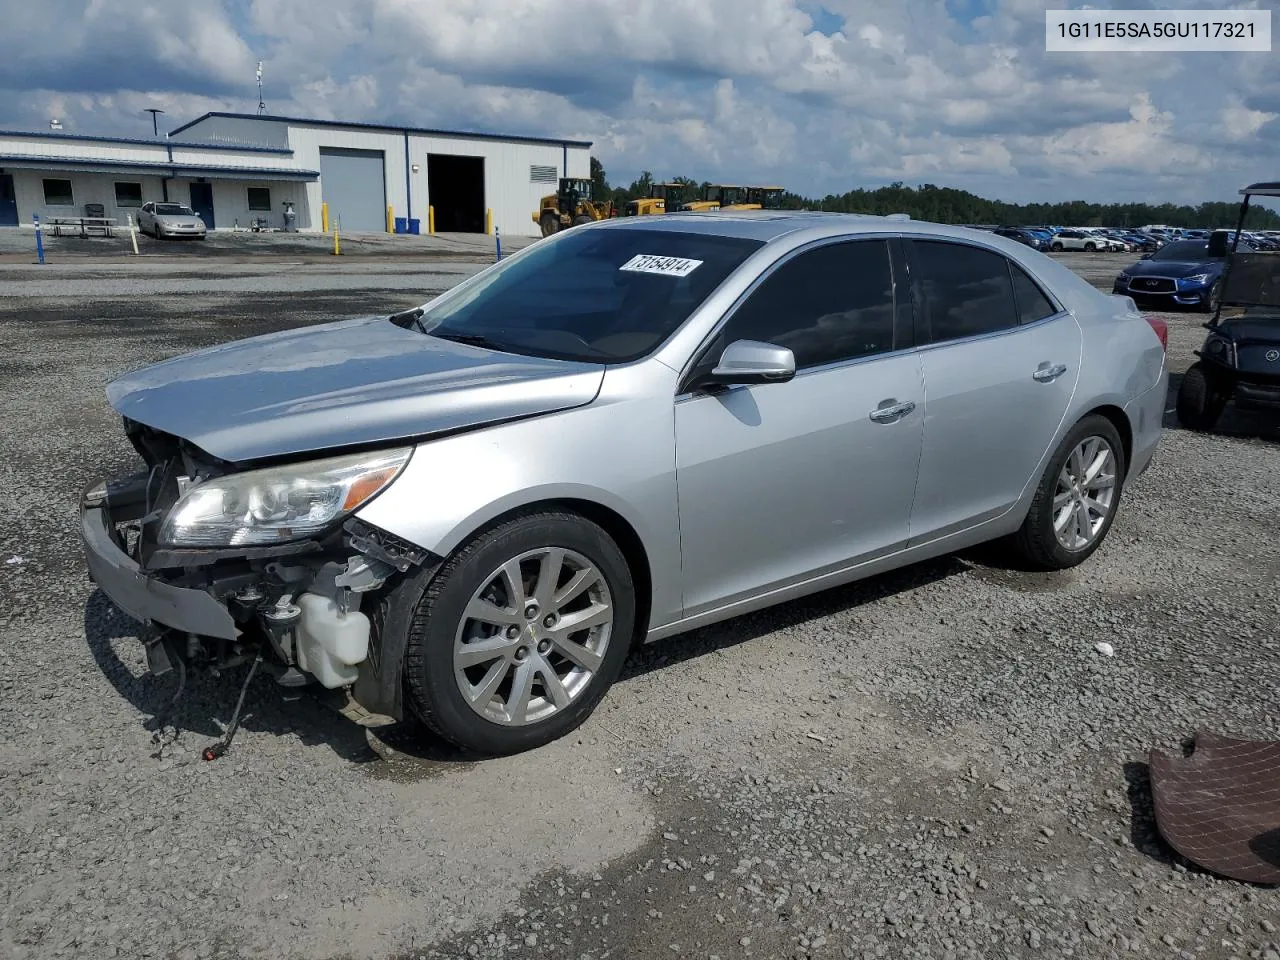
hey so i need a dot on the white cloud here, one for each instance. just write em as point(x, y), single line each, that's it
point(737, 90)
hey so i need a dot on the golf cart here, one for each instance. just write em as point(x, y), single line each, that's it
point(1240, 357)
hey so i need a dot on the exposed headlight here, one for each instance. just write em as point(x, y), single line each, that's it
point(1123, 276)
point(279, 504)
point(1197, 278)
point(1221, 349)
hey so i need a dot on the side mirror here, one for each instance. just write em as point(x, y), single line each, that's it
point(750, 361)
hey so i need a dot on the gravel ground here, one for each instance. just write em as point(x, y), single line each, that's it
point(933, 763)
point(19, 246)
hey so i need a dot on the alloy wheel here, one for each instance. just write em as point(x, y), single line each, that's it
point(533, 636)
point(1085, 493)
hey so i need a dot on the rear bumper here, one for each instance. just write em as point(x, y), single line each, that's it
point(1146, 417)
point(142, 597)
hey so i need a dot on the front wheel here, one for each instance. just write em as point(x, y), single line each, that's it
point(549, 224)
point(1210, 302)
point(520, 634)
point(1057, 248)
point(1090, 247)
point(1077, 498)
point(1200, 400)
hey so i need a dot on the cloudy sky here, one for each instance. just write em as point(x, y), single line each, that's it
point(820, 97)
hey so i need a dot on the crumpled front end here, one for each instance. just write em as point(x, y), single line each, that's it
point(296, 595)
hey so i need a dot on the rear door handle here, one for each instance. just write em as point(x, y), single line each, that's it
point(1048, 372)
point(891, 410)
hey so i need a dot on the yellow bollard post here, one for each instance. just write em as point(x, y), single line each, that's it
point(337, 249)
point(488, 221)
point(391, 219)
point(431, 219)
point(324, 217)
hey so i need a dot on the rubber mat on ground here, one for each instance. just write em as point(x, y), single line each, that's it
point(1220, 806)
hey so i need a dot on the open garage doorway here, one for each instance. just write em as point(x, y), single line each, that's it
point(456, 189)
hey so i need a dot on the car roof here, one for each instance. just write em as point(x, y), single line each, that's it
point(768, 225)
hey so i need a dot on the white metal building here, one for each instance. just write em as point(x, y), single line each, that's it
point(231, 168)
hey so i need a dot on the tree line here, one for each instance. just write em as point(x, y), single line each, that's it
point(948, 205)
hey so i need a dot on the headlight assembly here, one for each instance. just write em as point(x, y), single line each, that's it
point(279, 504)
point(1220, 349)
point(1196, 279)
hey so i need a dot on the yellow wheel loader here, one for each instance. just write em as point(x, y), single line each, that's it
point(713, 197)
point(570, 206)
point(755, 198)
point(663, 198)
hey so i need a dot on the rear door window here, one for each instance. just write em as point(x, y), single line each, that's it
point(967, 291)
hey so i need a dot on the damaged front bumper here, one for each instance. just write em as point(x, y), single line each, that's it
point(146, 598)
point(297, 605)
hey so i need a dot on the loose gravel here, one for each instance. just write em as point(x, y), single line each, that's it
point(937, 762)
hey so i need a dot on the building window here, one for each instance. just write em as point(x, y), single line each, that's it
point(540, 174)
point(57, 193)
point(259, 198)
point(128, 194)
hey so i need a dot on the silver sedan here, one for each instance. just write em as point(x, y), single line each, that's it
point(470, 511)
point(162, 220)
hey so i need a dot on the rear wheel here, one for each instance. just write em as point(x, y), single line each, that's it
point(550, 223)
point(520, 634)
point(1200, 399)
point(1077, 498)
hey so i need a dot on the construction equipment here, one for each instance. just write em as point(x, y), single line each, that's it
point(754, 198)
point(714, 197)
point(663, 198)
point(570, 206)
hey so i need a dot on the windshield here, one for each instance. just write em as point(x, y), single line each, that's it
point(1184, 250)
point(608, 296)
point(174, 210)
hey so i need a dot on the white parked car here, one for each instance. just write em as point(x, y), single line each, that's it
point(162, 219)
point(1079, 240)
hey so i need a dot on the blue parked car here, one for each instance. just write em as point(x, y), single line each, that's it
point(1182, 272)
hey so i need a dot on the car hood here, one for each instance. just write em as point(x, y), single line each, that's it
point(177, 220)
point(1173, 268)
point(360, 381)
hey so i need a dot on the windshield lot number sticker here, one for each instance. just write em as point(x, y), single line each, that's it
point(667, 266)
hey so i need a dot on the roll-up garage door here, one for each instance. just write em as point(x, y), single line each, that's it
point(353, 184)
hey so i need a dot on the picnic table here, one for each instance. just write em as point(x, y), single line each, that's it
point(85, 225)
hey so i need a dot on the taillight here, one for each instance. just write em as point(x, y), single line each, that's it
point(1162, 331)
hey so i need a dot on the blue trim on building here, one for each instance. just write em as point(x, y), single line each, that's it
point(161, 168)
point(303, 121)
point(149, 142)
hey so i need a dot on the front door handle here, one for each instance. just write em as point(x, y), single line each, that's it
point(1048, 372)
point(891, 410)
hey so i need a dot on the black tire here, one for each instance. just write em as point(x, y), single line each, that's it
point(1035, 541)
point(1210, 303)
point(431, 691)
point(1200, 400)
point(550, 223)
point(1057, 247)
point(580, 219)
point(1090, 247)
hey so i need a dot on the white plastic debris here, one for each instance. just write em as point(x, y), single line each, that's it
point(1104, 648)
point(12, 560)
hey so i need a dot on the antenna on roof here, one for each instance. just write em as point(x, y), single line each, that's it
point(262, 107)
